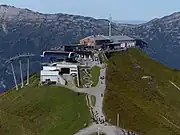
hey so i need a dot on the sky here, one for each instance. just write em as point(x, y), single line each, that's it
point(119, 9)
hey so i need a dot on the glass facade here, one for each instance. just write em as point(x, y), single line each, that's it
point(55, 56)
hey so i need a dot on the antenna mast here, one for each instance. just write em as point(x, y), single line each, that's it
point(110, 21)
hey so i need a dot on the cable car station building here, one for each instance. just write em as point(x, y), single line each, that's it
point(110, 42)
point(54, 66)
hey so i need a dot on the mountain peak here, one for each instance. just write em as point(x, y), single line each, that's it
point(8, 7)
point(172, 17)
point(7, 11)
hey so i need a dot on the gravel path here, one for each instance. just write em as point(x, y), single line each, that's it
point(97, 111)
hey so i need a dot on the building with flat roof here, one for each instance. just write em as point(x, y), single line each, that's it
point(52, 77)
point(52, 56)
point(54, 72)
point(93, 41)
point(62, 67)
point(101, 41)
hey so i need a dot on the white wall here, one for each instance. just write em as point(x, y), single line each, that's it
point(72, 70)
point(66, 65)
point(47, 72)
point(53, 78)
point(131, 44)
point(128, 44)
point(49, 68)
point(123, 45)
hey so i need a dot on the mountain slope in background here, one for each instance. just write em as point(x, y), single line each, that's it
point(130, 21)
point(163, 37)
point(148, 102)
point(22, 31)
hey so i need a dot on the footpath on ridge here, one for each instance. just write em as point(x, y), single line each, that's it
point(99, 120)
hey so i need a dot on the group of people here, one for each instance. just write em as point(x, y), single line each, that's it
point(128, 133)
point(97, 119)
point(102, 79)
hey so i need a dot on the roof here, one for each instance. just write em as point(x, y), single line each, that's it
point(48, 72)
point(101, 37)
point(66, 63)
point(57, 65)
point(117, 38)
point(63, 63)
point(58, 52)
point(113, 38)
point(121, 38)
point(74, 45)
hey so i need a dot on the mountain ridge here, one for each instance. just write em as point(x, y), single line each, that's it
point(23, 31)
point(135, 22)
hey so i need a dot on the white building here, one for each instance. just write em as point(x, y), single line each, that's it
point(51, 76)
point(54, 71)
point(67, 68)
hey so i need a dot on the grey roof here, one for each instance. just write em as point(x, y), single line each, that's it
point(101, 37)
point(121, 38)
point(113, 38)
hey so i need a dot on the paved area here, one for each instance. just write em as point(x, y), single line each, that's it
point(97, 112)
point(109, 130)
point(98, 92)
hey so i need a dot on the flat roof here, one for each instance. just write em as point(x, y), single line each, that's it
point(74, 45)
point(101, 37)
point(48, 72)
point(56, 52)
point(113, 38)
point(64, 63)
point(121, 38)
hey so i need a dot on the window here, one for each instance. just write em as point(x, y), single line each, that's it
point(73, 70)
point(57, 54)
point(54, 65)
point(72, 55)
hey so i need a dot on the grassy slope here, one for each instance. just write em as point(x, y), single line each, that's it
point(82, 80)
point(42, 111)
point(149, 107)
point(102, 58)
point(95, 72)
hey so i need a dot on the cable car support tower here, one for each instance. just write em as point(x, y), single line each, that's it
point(20, 56)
